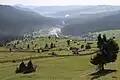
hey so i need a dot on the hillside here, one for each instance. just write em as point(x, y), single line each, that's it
point(64, 65)
point(86, 10)
point(109, 22)
point(16, 21)
point(108, 33)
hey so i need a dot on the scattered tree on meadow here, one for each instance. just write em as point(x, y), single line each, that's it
point(38, 50)
point(30, 67)
point(17, 42)
point(51, 45)
point(82, 46)
point(87, 46)
point(17, 70)
point(14, 46)
point(100, 41)
point(74, 50)
point(68, 42)
point(75, 42)
point(35, 45)
point(54, 54)
point(49, 37)
point(46, 46)
point(113, 37)
point(21, 68)
point(10, 50)
point(108, 52)
point(28, 46)
point(78, 43)
point(85, 40)
point(32, 42)
point(54, 45)
point(104, 38)
point(56, 41)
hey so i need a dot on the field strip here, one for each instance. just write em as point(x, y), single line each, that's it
point(49, 56)
point(7, 78)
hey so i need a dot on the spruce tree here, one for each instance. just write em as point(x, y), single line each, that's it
point(22, 67)
point(46, 46)
point(30, 65)
point(68, 42)
point(108, 50)
point(51, 45)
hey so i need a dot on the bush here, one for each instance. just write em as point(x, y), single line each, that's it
point(87, 46)
point(75, 50)
point(14, 61)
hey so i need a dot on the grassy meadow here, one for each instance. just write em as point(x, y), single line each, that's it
point(65, 66)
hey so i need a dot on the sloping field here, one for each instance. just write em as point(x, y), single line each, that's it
point(61, 67)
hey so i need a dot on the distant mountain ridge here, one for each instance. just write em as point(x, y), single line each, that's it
point(16, 21)
point(47, 9)
point(110, 22)
point(75, 20)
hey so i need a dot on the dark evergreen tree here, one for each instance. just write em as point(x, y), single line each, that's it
point(30, 65)
point(38, 50)
point(14, 46)
point(17, 70)
point(100, 40)
point(36, 45)
point(104, 38)
point(22, 67)
point(108, 50)
point(17, 42)
point(32, 42)
point(46, 46)
point(54, 54)
point(82, 46)
point(54, 45)
point(68, 42)
point(49, 37)
point(28, 46)
point(113, 37)
point(10, 50)
point(51, 45)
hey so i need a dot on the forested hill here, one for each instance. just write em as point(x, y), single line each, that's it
point(98, 24)
point(16, 21)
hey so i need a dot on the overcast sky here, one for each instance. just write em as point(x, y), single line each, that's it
point(61, 2)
